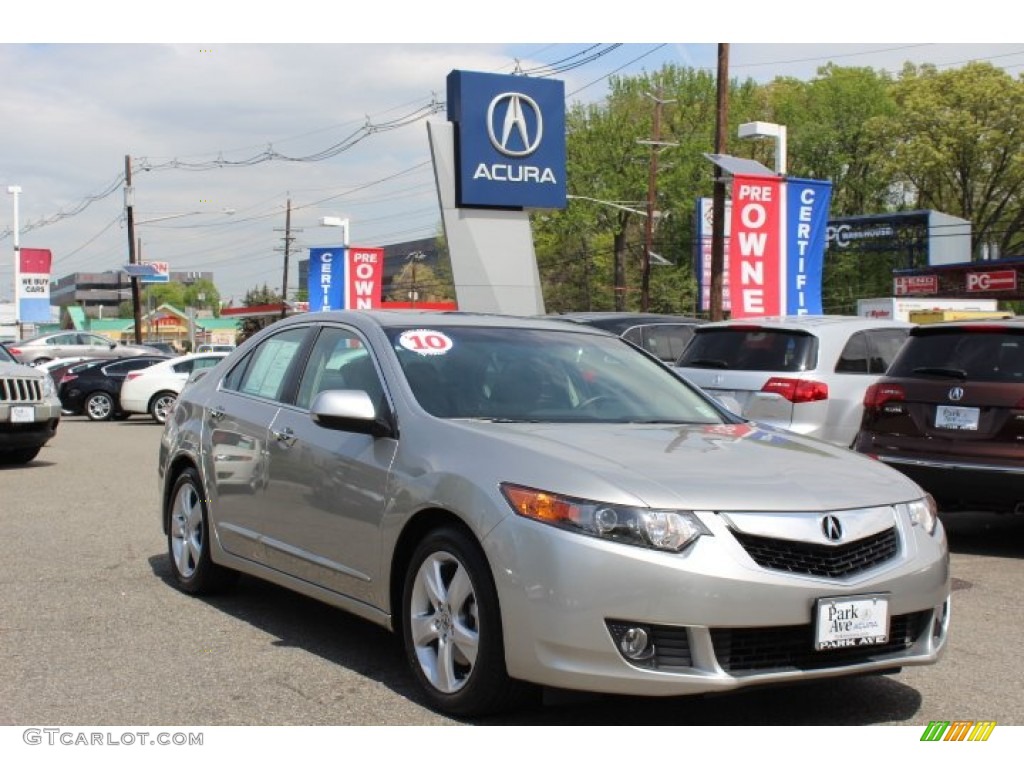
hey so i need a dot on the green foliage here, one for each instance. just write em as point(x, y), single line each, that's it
point(952, 141)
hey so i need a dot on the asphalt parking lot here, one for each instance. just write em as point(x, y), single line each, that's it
point(92, 632)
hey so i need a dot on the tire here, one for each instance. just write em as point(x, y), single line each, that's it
point(188, 541)
point(160, 406)
point(99, 406)
point(41, 360)
point(456, 651)
point(19, 455)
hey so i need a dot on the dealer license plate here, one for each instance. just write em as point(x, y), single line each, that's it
point(23, 414)
point(850, 622)
point(956, 417)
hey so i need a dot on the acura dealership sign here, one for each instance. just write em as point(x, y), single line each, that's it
point(510, 140)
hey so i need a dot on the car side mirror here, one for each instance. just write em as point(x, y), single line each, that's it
point(113, 345)
point(349, 410)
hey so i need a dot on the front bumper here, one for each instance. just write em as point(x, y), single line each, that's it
point(33, 434)
point(718, 620)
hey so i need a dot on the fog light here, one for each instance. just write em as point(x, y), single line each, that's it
point(636, 645)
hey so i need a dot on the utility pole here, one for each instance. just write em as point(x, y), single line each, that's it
point(718, 198)
point(129, 203)
point(287, 250)
point(652, 182)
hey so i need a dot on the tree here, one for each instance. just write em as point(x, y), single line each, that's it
point(203, 294)
point(256, 297)
point(958, 147)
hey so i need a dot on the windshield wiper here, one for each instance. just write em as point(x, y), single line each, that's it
point(705, 362)
point(955, 373)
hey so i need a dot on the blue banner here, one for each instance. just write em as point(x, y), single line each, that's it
point(807, 204)
point(326, 278)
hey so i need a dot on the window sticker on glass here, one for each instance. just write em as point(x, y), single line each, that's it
point(423, 341)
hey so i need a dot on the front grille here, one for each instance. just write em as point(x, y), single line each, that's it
point(20, 391)
point(780, 648)
point(819, 559)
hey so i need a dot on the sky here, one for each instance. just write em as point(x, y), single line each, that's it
point(326, 110)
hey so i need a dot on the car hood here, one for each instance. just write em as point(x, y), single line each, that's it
point(16, 369)
point(714, 467)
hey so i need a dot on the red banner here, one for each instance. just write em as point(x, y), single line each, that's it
point(365, 276)
point(755, 255)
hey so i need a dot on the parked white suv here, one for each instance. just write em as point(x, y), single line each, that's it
point(153, 390)
point(29, 410)
point(804, 373)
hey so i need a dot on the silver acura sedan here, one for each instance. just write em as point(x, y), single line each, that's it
point(528, 503)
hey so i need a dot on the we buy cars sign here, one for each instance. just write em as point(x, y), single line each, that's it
point(777, 248)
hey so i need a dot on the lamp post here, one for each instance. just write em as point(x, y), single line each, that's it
point(759, 130)
point(14, 191)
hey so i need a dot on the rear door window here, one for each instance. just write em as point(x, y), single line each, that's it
point(751, 349)
point(975, 355)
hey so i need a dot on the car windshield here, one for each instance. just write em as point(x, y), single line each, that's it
point(751, 348)
point(518, 374)
point(979, 354)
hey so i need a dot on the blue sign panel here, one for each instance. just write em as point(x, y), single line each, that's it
point(807, 203)
point(510, 140)
point(326, 279)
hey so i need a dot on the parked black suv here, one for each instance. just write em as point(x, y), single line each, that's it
point(949, 413)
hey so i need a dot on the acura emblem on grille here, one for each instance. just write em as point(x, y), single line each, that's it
point(831, 527)
point(956, 393)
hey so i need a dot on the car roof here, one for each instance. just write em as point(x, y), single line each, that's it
point(623, 321)
point(812, 323)
point(1009, 324)
point(391, 318)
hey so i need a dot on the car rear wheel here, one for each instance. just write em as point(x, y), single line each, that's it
point(160, 406)
point(99, 406)
point(41, 360)
point(452, 627)
point(188, 541)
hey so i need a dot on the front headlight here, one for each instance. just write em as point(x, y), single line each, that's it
point(924, 512)
point(665, 529)
point(49, 390)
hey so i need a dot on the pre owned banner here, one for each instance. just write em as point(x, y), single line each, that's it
point(777, 247)
point(32, 285)
point(345, 278)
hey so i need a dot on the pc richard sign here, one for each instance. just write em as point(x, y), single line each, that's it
point(777, 247)
point(510, 140)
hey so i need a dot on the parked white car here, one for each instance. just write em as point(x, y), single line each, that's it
point(154, 389)
point(804, 373)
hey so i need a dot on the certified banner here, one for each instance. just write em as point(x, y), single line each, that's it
point(345, 278)
point(807, 202)
point(32, 285)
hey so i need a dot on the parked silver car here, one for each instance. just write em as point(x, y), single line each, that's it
point(51, 346)
point(805, 373)
point(530, 502)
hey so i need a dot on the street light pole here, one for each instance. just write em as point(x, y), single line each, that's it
point(759, 130)
point(15, 191)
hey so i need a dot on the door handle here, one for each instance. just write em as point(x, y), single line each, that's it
point(284, 436)
point(217, 412)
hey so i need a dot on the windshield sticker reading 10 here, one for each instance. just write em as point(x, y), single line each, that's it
point(425, 342)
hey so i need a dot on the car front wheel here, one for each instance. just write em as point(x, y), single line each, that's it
point(18, 455)
point(99, 406)
point(452, 628)
point(160, 406)
point(188, 539)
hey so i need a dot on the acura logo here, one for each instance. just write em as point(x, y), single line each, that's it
point(831, 527)
point(956, 393)
point(516, 139)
